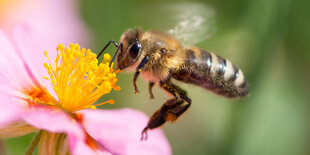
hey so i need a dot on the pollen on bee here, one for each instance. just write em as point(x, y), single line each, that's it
point(171, 118)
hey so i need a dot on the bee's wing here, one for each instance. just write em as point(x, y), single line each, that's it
point(196, 22)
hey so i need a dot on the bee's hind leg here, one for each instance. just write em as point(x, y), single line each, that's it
point(178, 89)
point(170, 110)
point(175, 91)
point(161, 116)
point(180, 95)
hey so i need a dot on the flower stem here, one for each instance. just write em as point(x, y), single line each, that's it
point(2, 147)
point(34, 143)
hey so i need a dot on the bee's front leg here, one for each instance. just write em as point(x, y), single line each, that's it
point(137, 73)
point(111, 41)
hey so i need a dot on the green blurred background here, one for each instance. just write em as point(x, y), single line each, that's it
point(268, 39)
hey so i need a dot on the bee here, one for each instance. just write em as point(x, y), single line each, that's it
point(160, 57)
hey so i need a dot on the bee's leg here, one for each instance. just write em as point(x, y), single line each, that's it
point(176, 91)
point(160, 116)
point(135, 82)
point(175, 113)
point(171, 110)
point(111, 41)
point(137, 73)
point(151, 85)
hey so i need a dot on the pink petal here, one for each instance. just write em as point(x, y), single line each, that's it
point(79, 147)
point(25, 45)
point(52, 120)
point(9, 112)
point(11, 124)
point(14, 73)
point(7, 116)
point(13, 76)
point(119, 131)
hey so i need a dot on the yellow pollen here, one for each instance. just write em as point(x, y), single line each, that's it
point(77, 78)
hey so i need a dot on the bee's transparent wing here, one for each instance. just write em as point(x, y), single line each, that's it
point(196, 22)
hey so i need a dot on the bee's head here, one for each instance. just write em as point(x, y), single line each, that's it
point(130, 50)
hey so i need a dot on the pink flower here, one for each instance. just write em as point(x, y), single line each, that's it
point(65, 122)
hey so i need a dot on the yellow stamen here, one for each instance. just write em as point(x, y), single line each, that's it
point(93, 107)
point(77, 78)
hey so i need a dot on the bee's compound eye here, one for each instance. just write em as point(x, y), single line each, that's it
point(134, 50)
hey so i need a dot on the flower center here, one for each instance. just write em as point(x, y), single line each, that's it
point(38, 95)
point(77, 78)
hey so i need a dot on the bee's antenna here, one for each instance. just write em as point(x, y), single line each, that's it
point(115, 44)
point(120, 45)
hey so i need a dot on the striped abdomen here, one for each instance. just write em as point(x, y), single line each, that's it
point(212, 72)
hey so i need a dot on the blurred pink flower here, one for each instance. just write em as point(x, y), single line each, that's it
point(51, 21)
point(64, 126)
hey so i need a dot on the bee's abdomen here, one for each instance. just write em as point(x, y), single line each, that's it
point(212, 72)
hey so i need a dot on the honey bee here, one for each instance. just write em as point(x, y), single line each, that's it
point(160, 57)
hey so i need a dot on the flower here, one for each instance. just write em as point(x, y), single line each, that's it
point(66, 121)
